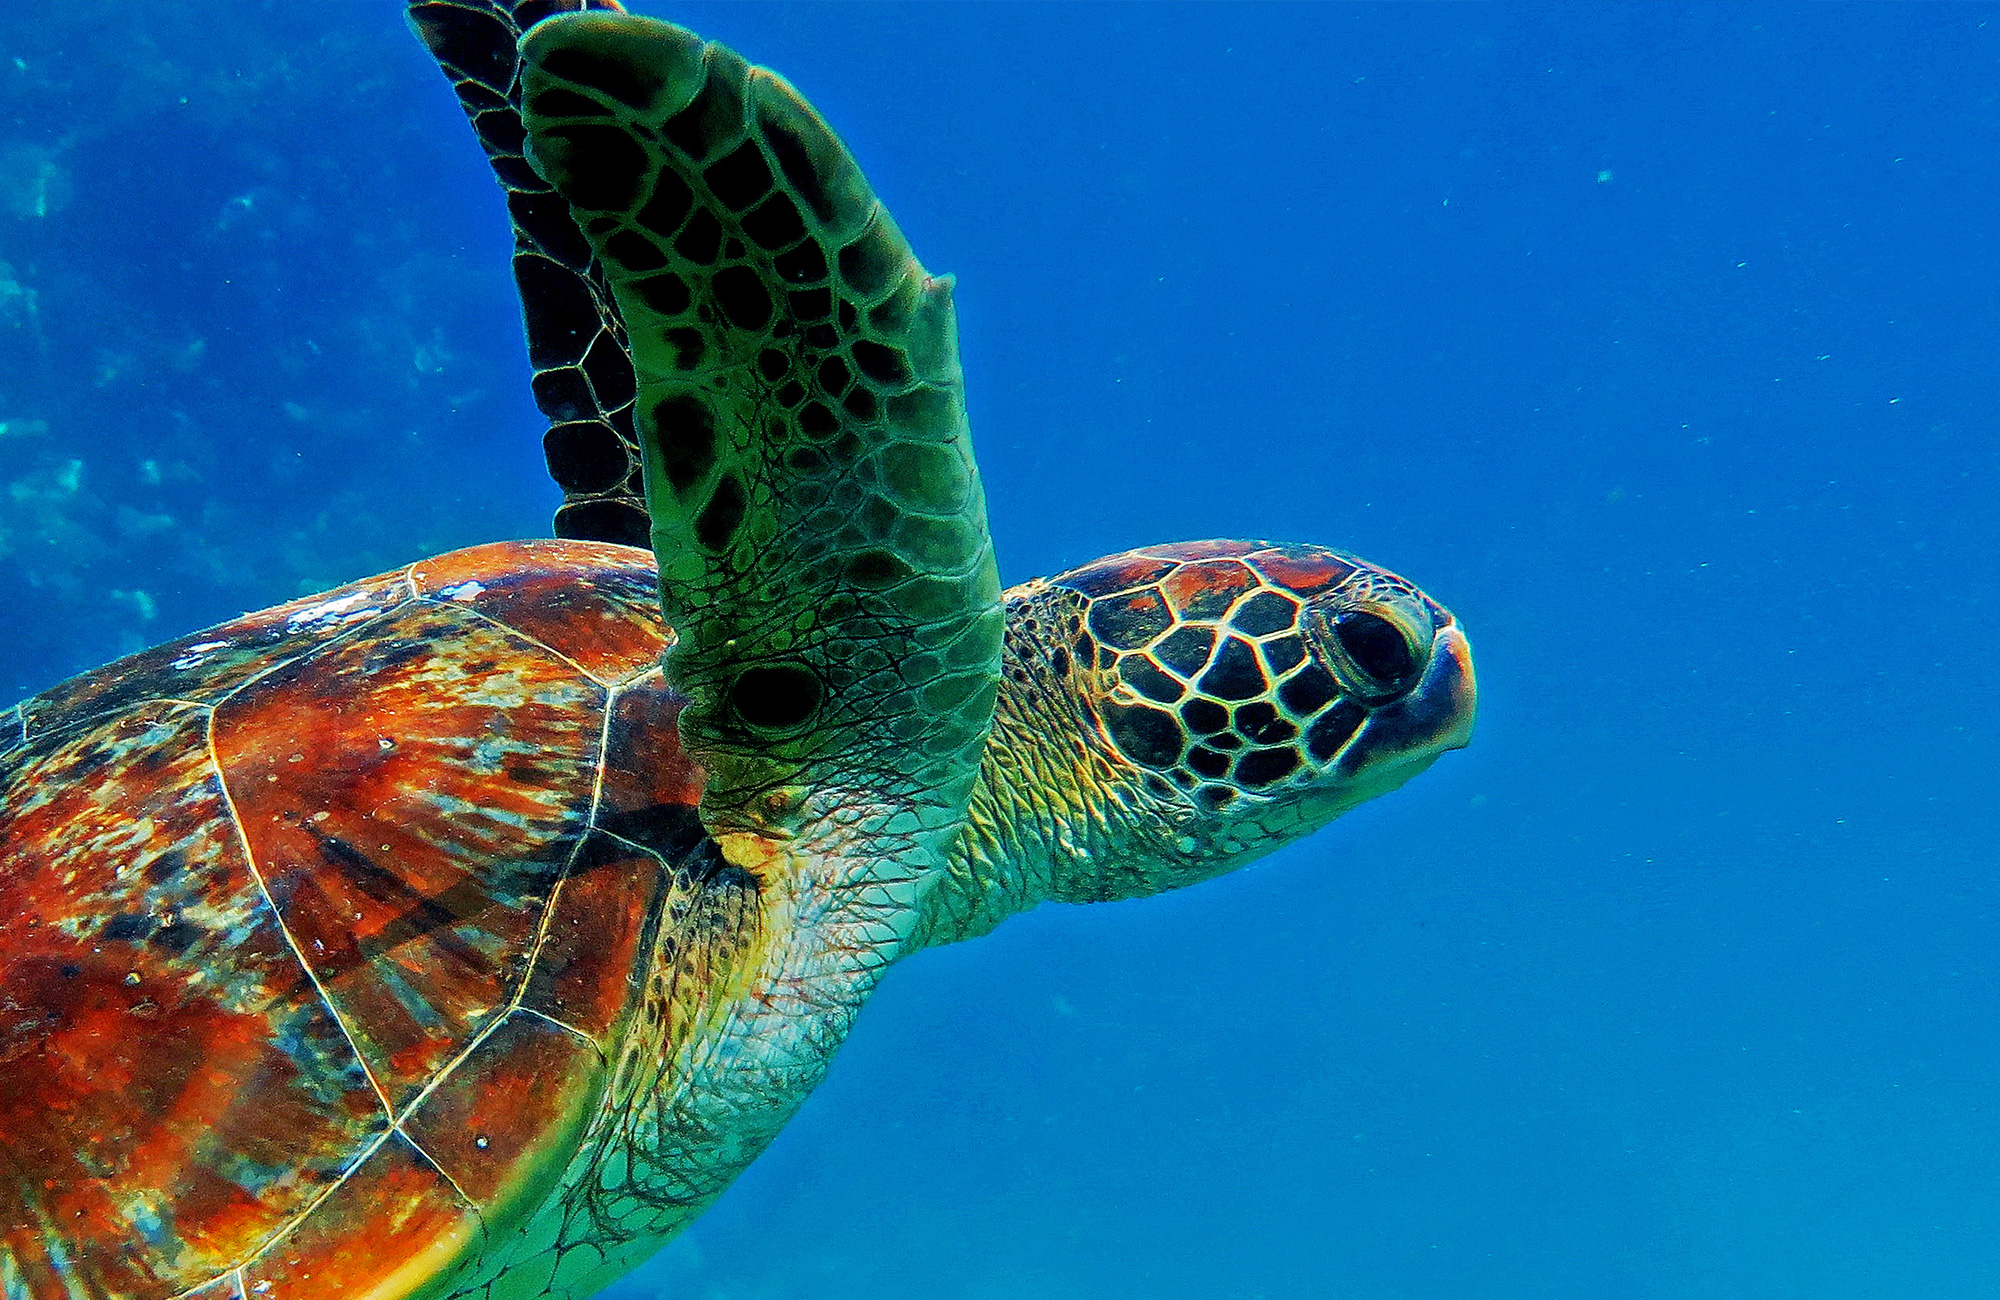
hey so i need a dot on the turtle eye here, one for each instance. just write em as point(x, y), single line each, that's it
point(1375, 645)
point(776, 697)
point(1377, 653)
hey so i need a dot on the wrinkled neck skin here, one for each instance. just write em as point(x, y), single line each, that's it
point(1055, 815)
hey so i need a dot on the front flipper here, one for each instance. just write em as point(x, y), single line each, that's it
point(816, 512)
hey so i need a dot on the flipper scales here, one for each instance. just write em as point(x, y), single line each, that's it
point(816, 512)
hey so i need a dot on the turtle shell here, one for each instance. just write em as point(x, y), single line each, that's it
point(316, 928)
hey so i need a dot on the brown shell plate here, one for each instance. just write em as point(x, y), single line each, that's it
point(321, 920)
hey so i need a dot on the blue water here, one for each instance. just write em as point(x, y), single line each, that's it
point(1659, 342)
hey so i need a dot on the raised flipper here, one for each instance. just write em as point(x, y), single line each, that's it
point(576, 340)
point(816, 512)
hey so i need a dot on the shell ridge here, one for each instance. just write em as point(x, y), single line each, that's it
point(278, 918)
point(563, 1025)
point(291, 1225)
point(438, 1165)
point(510, 629)
point(556, 890)
point(279, 665)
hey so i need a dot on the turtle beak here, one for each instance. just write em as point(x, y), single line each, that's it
point(1403, 736)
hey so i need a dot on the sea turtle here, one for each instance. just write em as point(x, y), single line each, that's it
point(426, 937)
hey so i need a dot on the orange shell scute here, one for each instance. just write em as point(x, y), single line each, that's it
point(411, 799)
point(391, 1226)
point(508, 1117)
point(595, 604)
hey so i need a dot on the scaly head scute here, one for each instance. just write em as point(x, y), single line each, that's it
point(1175, 711)
point(1270, 687)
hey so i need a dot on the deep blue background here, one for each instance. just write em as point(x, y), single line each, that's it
point(1659, 342)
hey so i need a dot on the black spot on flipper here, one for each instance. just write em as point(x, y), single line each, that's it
point(629, 83)
point(545, 216)
point(684, 434)
point(740, 177)
point(716, 525)
point(877, 569)
point(715, 113)
point(816, 421)
point(597, 168)
point(805, 264)
point(795, 162)
point(559, 314)
point(557, 102)
point(666, 294)
point(562, 394)
point(668, 207)
point(609, 369)
point(776, 697)
point(634, 252)
point(870, 263)
point(701, 239)
point(860, 403)
point(742, 297)
point(885, 365)
point(466, 41)
point(775, 223)
point(810, 305)
point(690, 346)
point(834, 376)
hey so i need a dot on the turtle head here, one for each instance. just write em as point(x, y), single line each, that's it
point(1173, 712)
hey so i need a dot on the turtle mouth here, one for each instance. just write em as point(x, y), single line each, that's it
point(1403, 736)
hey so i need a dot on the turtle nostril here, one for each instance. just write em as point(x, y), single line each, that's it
point(1377, 648)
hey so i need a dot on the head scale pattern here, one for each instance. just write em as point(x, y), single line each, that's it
point(1243, 668)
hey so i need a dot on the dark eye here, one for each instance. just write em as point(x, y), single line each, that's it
point(1375, 645)
point(776, 697)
